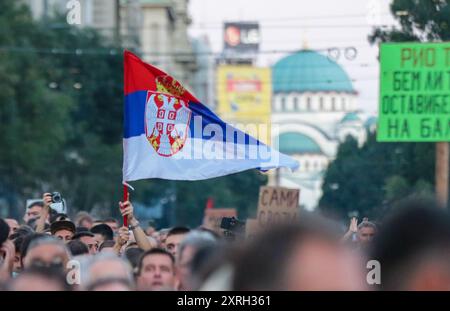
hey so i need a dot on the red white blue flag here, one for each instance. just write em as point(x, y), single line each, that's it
point(169, 134)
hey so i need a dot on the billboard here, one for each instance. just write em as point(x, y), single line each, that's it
point(414, 92)
point(241, 37)
point(244, 96)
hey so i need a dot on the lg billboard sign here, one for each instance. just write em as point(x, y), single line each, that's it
point(241, 37)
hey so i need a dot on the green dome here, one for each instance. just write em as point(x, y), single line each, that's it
point(371, 121)
point(297, 143)
point(309, 71)
point(349, 117)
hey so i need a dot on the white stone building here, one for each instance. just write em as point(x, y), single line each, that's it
point(314, 108)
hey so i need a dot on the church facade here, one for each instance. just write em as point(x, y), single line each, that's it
point(314, 109)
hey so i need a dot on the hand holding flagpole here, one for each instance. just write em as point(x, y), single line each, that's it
point(126, 197)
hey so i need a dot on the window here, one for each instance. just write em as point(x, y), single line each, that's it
point(321, 103)
point(295, 103)
point(306, 166)
point(308, 103)
point(283, 104)
point(343, 103)
point(333, 104)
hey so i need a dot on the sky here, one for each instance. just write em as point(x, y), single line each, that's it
point(289, 25)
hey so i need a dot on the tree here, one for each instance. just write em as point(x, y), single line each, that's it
point(61, 102)
point(367, 180)
point(371, 178)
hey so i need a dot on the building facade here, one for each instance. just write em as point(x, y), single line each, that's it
point(314, 109)
point(164, 40)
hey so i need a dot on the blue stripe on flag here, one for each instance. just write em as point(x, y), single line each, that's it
point(134, 124)
point(134, 114)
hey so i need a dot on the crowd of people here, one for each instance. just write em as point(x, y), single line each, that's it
point(408, 250)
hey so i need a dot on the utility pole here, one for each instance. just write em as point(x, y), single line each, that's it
point(442, 172)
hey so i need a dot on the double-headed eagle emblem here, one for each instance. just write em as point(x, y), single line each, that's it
point(167, 117)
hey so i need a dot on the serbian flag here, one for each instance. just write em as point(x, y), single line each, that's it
point(169, 134)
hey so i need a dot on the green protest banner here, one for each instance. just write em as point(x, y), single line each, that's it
point(414, 92)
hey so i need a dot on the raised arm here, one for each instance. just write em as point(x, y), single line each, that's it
point(126, 208)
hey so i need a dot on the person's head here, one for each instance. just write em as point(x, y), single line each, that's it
point(18, 238)
point(76, 247)
point(156, 270)
point(193, 241)
point(366, 233)
point(106, 245)
point(413, 247)
point(106, 272)
point(133, 255)
point(40, 279)
point(102, 232)
point(33, 211)
point(302, 256)
point(63, 230)
point(13, 225)
point(83, 219)
point(174, 238)
point(42, 250)
point(112, 223)
point(4, 231)
point(87, 238)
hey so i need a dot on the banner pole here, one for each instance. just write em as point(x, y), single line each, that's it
point(126, 197)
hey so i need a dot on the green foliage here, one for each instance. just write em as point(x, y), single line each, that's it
point(420, 20)
point(369, 178)
point(61, 124)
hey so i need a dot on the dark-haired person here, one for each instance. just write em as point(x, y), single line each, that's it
point(174, 238)
point(133, 256)
point(102, 232)
point(18, 237)
point(306, 256)
point(7, 253)
point(63, 230)
point(76, 248)
point(13, 225)
point(112, 223)
point(413, 247)
point(156, 271)
point(33, 211)
point(88, 239)
point(107, 245)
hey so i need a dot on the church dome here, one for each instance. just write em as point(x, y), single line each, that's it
point(350, 117)
point(297, 143)
point(309, 71)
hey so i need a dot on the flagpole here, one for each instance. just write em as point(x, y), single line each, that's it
point(126, 197)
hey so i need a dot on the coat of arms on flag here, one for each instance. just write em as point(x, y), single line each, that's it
point(166, 122)
point(169, 134)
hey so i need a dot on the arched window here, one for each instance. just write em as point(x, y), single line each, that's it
point(283, 104)
point(333, 103)
point(321, 105)
point(308, 103)
point(295, 104)
point(344, 104)
point(306, 166)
